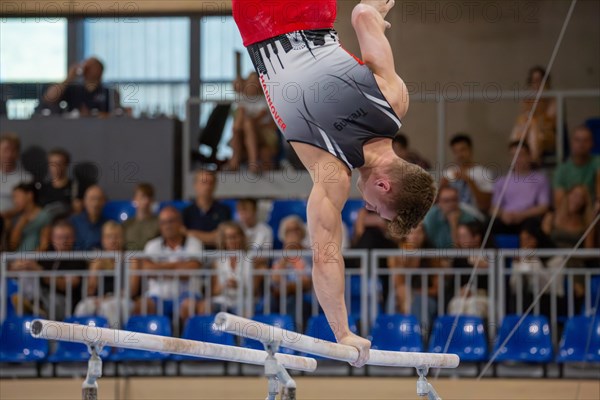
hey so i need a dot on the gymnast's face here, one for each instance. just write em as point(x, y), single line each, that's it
point(374, 191)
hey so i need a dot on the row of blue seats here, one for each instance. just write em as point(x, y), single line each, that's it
point(531, 343)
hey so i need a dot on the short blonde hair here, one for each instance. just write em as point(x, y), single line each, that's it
point(288, 220)
point(230, 225)
point(412, 195)
point(112, 225)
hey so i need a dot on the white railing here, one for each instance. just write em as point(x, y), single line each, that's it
point(370, 274)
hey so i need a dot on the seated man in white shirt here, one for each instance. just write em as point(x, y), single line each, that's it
point(474, 182)
point(172, 250)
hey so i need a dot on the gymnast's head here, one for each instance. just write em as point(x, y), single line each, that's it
point(400, 192)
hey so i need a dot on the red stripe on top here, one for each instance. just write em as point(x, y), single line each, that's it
point(259, 20)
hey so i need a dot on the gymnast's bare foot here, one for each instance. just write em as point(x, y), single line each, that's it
point(382, 7)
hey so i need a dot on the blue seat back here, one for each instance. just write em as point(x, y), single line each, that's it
point(151, 324)
point(279, 320)
point(503, 241)
point(468, 339)
point(119, 210)
point(282, 209)
point(531, 342)
point(318, 327)
point(396, 333)
point(355, 296)
point(17, 344)
point(178, 204)
point(231, 203)
point(350, 213)
point(70, 351)
point(581, 340)
point(595, 294)
point(594, 125)
point(202, 328)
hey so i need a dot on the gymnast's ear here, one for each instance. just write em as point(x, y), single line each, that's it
point(383, 184)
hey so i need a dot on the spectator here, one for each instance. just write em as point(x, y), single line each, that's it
point(400, 144)
point(88, 96)
point(582, 168)
point(11, 173)
point(370, 231)
point(531, 273)
point(541, 132)
point(254, 132)
point(100, 297)
point(258, 234)
point(470, 236)
point(58, 192)
point(30, 221)
point(175, 247)
point(527, 193)
point(411, 301)
point(88, 223)
point(295, 269)
point(572, 217)
point(204, 216)
point(474, 182)
point(144, 225)
point(233, 273)
point(441, 222)
point(62, 240)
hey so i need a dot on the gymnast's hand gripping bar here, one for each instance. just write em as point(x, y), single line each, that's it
point(306, 344)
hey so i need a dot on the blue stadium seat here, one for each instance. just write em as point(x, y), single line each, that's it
point(231, 203)
point(574, 346)
point(355, 296)
point(282, 209)
point(506, 241)
point(202, 328)
point(319, 328)
point(531, 343)
point(279, 320)
point(594, 295)
point(396, 333)
point(119, 210)
point(594, 125)
point(152, 324)
point(16, 343)
point(468, 341)
point(12, 287)
point(77, 352)
point(178, 204)
point(350, 213)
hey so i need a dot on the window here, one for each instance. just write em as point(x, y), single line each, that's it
point(146, 58)
point(220, 39)
point(26, 43)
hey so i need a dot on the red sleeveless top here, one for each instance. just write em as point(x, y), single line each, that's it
point(259, 20)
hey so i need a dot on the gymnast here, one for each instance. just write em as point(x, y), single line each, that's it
point(339, 113)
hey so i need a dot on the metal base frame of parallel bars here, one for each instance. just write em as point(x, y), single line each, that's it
point(272, 337)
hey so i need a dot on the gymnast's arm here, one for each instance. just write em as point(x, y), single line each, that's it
point(325, 204)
